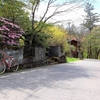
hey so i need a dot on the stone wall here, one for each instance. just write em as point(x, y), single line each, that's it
point(38, 51)
point(18, 54)
point(39, 55)
point(55, 51)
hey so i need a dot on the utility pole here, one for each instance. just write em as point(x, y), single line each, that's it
point(69, 23)
point(69, 38)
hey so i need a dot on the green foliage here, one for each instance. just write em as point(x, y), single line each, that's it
point(72, 59)
point(21, 41)
point(47, 35)
point(14, 10)
point(92, 43)
point(85, 54)
point(38, 38)
point(58, 37)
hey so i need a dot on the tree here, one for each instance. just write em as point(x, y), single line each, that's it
point(57, 9)
point(92, 43)
point(91, 18)
point(9, 33)
point(58, 37)
point(15, 11)
point(78, 34)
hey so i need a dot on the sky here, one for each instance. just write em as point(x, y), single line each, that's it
point(97, 5)
point(97, 8)
point(75, 16)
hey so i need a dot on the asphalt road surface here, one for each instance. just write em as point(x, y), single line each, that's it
point(71, 81)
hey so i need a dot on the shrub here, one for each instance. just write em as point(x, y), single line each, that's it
point(10, 33)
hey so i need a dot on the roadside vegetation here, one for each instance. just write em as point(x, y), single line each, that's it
point(71, 59)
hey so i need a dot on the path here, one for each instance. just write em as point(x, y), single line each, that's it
point(71, 81)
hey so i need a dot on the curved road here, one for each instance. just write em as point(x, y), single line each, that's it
point(71, 81)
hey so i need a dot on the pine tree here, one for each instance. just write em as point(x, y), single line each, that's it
point(91, 18)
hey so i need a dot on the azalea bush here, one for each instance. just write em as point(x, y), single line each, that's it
point(9, 33)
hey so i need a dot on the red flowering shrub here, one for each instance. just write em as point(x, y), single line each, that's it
point(9, 32)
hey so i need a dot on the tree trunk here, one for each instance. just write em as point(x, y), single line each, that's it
point(98, 53)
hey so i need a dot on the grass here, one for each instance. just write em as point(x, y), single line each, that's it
point(70, 59)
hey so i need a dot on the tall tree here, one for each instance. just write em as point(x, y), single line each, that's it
point(91, 18)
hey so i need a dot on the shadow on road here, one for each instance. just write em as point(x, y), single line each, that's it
point(42, 77)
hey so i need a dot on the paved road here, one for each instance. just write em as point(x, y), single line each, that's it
point(73, 81)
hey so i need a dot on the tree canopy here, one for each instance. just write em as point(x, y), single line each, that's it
point(91, 18)
point(58, 37)
point(15, 11)
point(92, 43)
